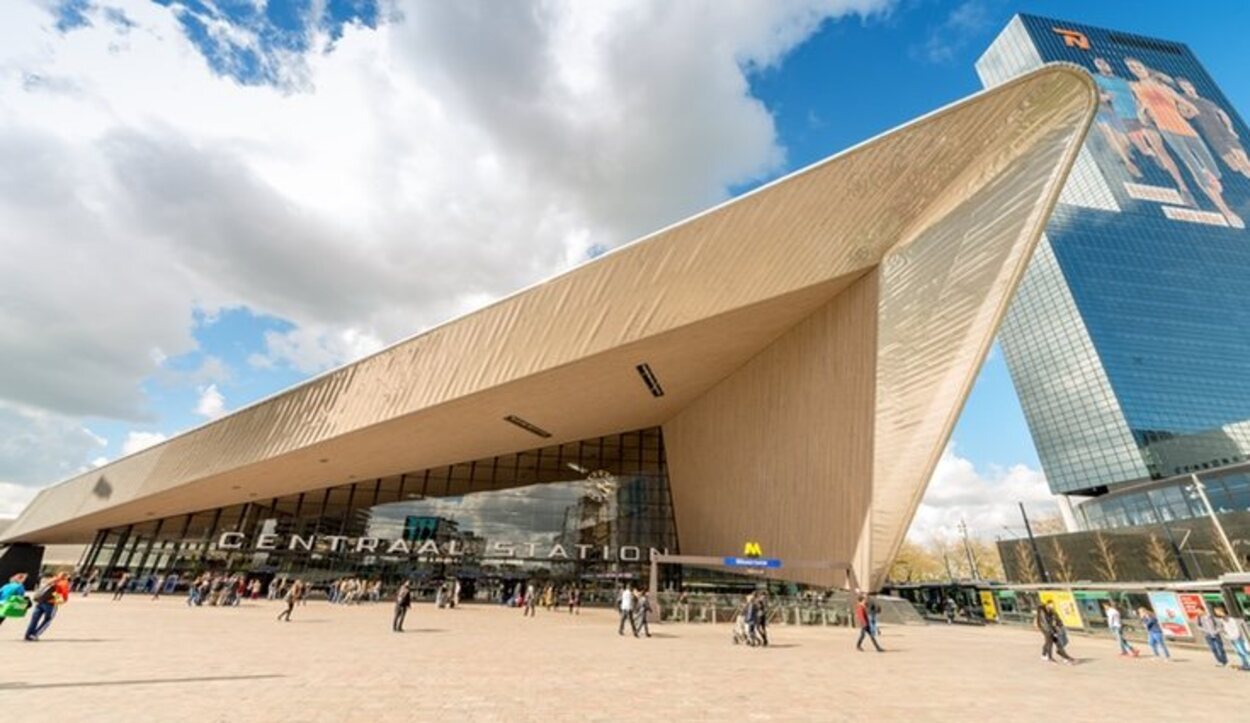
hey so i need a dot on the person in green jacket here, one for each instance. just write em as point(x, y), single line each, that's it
point(16, 587)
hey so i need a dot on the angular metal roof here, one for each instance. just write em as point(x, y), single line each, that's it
point(942, 211)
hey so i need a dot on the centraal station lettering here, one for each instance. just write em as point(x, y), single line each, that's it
point(498, 549)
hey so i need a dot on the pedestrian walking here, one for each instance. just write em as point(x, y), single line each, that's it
point(292, 595)
point(1234, 631)
point(159, 586)
point(865, 625)
point(123, 581)
point(625, 604)
point(1116, 625)
point(403, 601)
point(1154, 634)
point(48, 600)
point(15, 588)
point(642, 609)
point(1211, 631)
point(761, 618)
point(531, 600)
point(1054, 636)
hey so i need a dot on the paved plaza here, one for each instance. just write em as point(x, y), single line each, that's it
point(138, 660)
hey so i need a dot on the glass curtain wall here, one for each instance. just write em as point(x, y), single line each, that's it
point(586, 511)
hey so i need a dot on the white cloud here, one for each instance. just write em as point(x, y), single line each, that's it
point(14, 498)
point(211, 403)
point(310, 350)
point(138, 441)
point(985, 499)
point(965, 22)
point(38, 447)
point(99, 461)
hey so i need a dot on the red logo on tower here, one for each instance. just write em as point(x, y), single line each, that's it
point(1073, 38)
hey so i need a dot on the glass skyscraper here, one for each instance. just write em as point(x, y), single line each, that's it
point(1129, 338)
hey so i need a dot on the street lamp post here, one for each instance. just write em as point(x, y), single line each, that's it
point(1037, 553)
point(972, 562)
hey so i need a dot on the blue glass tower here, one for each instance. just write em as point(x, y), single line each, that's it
point(1129, 338)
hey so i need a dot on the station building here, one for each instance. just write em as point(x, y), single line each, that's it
point(784, 368)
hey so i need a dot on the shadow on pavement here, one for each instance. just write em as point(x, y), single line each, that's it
point(140, 681)
point(42, 641)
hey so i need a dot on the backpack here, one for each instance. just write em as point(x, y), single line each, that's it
point(46, 594)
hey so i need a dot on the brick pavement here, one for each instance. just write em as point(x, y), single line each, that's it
point(138, 660)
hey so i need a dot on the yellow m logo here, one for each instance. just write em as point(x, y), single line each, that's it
point(752, 549)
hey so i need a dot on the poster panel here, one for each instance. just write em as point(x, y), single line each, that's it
point(1192, 604)
point(1167, 606)
point(988, 606)
point(1065, 606)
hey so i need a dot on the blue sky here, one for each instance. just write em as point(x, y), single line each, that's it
point(232, 342)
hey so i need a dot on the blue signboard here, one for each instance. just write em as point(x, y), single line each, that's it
point(769, 562)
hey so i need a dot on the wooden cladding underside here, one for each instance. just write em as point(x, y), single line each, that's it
point(781, 451)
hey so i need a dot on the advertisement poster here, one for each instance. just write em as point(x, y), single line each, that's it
point(1171, 614)
point(988, 606)
point(1065, 605)
point(1167, 142)
point(1192, 604)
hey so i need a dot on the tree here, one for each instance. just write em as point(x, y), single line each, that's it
point(989, 564)
point(1048, 525)
point(1026, 566)
point(1063, 564)
point(1105, 557)
point(916, 563)
point(1160, 559)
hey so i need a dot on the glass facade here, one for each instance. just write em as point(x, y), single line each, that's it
point(588, 511)
point(1129, 338)
point(1170, 500)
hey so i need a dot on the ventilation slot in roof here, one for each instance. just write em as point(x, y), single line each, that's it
point(648, 378)
point(527, 426)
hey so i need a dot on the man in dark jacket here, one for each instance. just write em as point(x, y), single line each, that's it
point(1050, 625)
point(761, 617)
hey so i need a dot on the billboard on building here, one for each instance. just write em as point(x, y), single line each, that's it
point(1167, 142)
